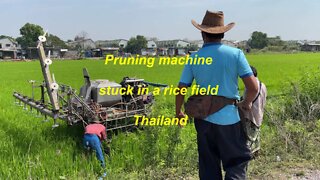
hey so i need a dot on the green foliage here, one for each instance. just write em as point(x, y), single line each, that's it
point(275, 48)
point(304, 97)
point(275, 41)
point(29, 35)
point(258, 40)
point(291, 128)
point(135, 44)
point(149, 151)
point(55, 41)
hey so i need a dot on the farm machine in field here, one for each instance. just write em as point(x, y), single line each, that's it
point(60, 101)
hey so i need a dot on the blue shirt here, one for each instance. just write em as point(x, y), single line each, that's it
point(228, 64)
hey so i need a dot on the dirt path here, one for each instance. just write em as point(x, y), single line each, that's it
point(308, 175)
point(297, 174)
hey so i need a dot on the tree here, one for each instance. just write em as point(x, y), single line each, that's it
point(258, 40)
point(29, 35)
point(275, 41)
point(135, 44)
point(81, 36)
point(55, 41)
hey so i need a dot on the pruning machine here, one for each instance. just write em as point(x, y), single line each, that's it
point(60, 101)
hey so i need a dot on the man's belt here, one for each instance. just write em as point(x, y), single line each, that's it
point(201, 106)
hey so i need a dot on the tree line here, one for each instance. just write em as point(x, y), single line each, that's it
point(30, 32)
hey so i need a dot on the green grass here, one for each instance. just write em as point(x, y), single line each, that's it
point(277, 70)
point(29, 148)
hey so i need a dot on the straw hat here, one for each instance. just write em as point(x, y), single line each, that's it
point(213, 23)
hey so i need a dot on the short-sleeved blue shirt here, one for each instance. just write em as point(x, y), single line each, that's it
point(228, 64)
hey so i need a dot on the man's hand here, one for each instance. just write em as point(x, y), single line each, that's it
point(179, 103)
point(179, 116)
point(252, 88)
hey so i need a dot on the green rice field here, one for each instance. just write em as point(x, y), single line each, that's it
point(31, 149)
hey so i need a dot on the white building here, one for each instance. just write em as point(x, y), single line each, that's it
point(83, 44)
point(8, 48)
point(151, 49)
point(173, 47)
point(117, 43)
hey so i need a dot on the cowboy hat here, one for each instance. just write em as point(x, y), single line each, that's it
point(213, 23)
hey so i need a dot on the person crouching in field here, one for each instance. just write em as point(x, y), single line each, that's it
point(94, 133)
point(252, 119)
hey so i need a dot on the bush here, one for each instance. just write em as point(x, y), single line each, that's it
point(295, 120)
point(304, 97)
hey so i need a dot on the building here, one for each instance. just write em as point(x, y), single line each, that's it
point(55, 53)
point(197, 43)
point(173, 47)
point(310, 47)
point(82, 44)
point(173, 44)
point(114, 47)
point(151, 49)
point(102, 52)
point(8, 48)
point(117, 43)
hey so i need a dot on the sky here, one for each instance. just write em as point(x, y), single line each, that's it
point(164, 19)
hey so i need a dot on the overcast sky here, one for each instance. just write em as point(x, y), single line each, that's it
point(164, 19)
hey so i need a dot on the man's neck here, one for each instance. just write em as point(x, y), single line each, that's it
point(212, 41)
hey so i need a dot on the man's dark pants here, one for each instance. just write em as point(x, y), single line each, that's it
point(224, 144)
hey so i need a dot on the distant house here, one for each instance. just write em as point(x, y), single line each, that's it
point(117, 43)
point(173, 44)
point(82, 44)
point(32, 52)
point(8, 48)
point(102, 52)
point(310, 47)
point(151, 49)
point(151, 44)
point(114, 47)
point(197, 43)
point(173, 47)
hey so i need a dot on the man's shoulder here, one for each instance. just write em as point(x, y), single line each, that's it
point(101, 126)
point(231, 49)
point(95, 126)
point(223, 48)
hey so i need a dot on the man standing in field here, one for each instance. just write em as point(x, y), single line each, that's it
point(220, 137)
point(252, 120)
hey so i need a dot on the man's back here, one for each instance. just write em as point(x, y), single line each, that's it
point(97, 129)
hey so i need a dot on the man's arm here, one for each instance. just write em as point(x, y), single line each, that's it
point(103, 134)
point(251, 91)
point(179, 102)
